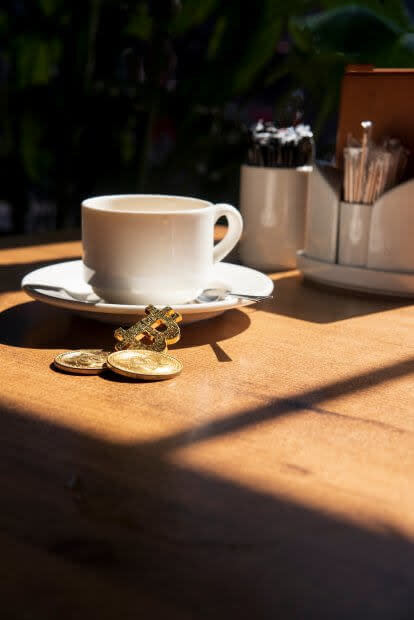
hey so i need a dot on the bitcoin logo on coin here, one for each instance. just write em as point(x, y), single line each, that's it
point(152, 333)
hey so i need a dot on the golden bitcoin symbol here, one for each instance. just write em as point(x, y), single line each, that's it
point(146, 335)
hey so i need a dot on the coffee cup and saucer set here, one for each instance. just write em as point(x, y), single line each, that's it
point(149, 249)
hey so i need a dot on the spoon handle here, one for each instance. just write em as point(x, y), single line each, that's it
point(82, 297)
point(251, 297)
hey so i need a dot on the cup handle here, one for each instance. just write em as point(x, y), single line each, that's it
point(234, 231)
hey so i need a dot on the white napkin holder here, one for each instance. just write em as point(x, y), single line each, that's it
point(322, 216)
point(368, 239)
point(354, 231)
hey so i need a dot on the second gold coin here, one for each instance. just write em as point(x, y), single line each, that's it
point(143, 364)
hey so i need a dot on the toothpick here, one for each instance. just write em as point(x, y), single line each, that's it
point(366, 134)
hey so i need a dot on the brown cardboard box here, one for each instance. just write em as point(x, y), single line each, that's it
point(383, 96)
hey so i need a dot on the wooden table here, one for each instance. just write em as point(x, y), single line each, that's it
point(272, 479)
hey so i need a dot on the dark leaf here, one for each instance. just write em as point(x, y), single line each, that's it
point(192, 14)
point(140, 24)
point(353, 31)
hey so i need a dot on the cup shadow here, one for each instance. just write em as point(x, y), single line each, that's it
point(306, 301)
point(39, 326)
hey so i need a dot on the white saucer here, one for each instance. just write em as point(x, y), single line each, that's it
point(360, 279)
point(79, 297)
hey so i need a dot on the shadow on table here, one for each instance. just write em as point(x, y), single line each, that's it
point(39, 326)
point(96, 529)
point(319, 304)
point(12, 275)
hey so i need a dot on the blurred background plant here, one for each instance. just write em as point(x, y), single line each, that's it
point(125, 96)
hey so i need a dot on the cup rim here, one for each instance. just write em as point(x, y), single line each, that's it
point(278, 169)
point(94, 203)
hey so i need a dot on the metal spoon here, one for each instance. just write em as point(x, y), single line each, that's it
point(210, 295)
point(88, 297)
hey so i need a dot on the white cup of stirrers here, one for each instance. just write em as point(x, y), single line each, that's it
point(369, 171)
point(274, 194)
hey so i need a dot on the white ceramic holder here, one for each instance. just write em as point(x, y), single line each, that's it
point(273, 205)
point(322, 216)
point(391, 246)
point(379, 236)
point(375, 243)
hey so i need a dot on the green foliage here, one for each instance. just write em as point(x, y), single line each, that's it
point(191, 14)
point(36, 158)
point(93, 88)
point(352, 31)
point(260, 48)
point(140, 24)
point(394, 10)
point(372, 32)
point(36, 60)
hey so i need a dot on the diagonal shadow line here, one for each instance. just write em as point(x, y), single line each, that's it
point(210, 530)
point(282, 406)
point(173, 526)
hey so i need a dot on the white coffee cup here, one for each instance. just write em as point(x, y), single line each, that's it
point(142, 249)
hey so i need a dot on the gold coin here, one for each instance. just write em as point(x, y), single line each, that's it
point(144, 364)
point(83, 362)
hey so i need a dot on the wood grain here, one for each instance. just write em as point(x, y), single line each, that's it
point(272, 479)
